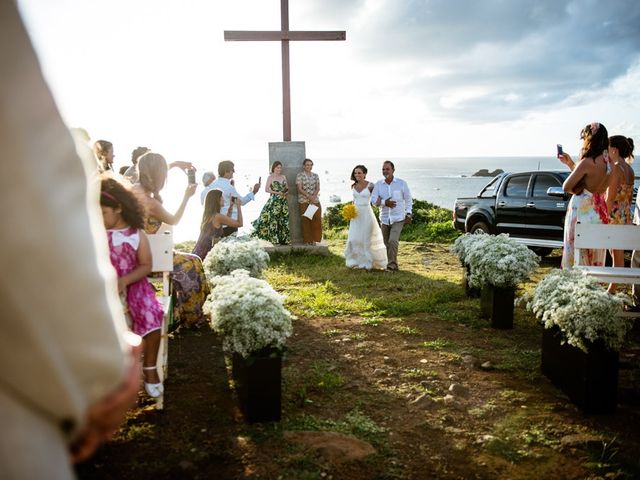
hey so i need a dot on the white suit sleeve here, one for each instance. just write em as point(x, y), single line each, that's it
point(61, 344)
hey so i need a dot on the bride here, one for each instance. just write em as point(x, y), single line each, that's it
point(365, 247)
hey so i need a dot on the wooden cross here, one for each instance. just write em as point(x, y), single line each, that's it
point(284, 36)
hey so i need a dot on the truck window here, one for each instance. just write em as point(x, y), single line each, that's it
point(542, 183)
point(490, 190)
point(517, 186)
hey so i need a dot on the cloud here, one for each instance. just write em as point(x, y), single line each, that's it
point(496, 60)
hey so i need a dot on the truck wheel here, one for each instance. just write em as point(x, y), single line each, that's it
point(479, 227)
point(541, 251)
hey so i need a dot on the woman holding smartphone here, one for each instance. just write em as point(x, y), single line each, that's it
point(588, 182)
point(188, 280)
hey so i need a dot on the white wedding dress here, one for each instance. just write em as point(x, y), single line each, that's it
point(365, 247)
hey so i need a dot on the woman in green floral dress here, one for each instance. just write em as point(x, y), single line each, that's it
point(273, 223)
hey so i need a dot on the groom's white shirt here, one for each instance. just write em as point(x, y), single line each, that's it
point(397, 190)
point(229, 191)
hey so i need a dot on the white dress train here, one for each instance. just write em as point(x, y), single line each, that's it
point(365, 247)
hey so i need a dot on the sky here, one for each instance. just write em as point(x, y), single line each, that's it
point(414, 78)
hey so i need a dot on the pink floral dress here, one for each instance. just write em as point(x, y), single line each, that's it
point(143, 306)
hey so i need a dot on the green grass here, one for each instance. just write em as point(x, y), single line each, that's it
point(327, 288)
point(355, 423)
point(439, 344)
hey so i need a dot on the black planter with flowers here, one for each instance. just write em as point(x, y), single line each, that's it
point(471, 292)
point(258, 385)
point(590, 380)
point(496, 303)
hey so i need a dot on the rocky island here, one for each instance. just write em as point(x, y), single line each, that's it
point(486, 173)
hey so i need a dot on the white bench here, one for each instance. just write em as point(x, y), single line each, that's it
point(610, 237)
point(161, 244)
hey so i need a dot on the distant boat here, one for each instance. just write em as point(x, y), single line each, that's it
point(335, 198)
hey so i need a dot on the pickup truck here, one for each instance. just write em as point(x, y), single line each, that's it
point(529, 206)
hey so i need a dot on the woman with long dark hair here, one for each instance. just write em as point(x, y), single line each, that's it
point(588, 182)
point(213, 222)
point(365, 245)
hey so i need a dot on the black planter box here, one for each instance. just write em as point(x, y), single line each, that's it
point(496, 303)
point(469, 291)
point(590, 380)
point(258, 384)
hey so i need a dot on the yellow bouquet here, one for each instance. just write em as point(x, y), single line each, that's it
point(349, 212)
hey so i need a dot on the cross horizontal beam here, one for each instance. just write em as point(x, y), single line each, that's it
point(299, 35)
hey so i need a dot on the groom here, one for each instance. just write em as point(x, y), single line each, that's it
point(393, 197)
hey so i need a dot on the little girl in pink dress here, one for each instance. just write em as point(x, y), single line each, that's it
point(131, 257)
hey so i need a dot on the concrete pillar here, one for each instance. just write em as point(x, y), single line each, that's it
point(291, 154)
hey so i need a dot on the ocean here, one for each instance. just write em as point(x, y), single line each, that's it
point(436, 180)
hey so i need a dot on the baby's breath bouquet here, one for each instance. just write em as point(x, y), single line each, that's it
point(464, 243)
point(580, 307)
point(233, 253)
point(248, 313)
point(349, 212)
point(498, 260)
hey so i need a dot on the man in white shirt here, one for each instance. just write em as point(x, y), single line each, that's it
point(393, 197)
point(225, 174)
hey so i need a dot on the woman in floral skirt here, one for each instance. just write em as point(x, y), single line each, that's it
point(273, 223)
point(188, 280)
point(588, 182)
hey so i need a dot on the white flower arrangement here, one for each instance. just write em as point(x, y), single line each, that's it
point(580, 307)
point(249, 314)
point(464, 243)
point(497, 260)
point(234, 253)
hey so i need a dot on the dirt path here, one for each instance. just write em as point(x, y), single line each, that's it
point(436, 399)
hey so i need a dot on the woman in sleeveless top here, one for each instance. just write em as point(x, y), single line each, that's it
point(213, 222)
point(588, 182)
point(273, 223)
point(365, 246)
point(620, 191)
point(188, 281)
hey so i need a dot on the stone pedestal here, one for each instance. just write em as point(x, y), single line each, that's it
point(291, 154)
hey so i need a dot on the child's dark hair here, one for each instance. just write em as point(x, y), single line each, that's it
point(114, 194)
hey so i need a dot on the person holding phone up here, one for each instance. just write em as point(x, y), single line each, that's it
point(224, 182)
point(393, 196)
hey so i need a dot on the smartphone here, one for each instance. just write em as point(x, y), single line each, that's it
point(560, 152)
point(191, 175)
point(260, 180)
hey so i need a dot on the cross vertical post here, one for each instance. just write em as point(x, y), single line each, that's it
point(284, 36)
point(286, 76)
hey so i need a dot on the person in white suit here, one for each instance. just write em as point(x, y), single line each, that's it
point(68, 375)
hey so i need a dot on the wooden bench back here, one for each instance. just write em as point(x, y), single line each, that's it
point(161, 244)
point(615, 237)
